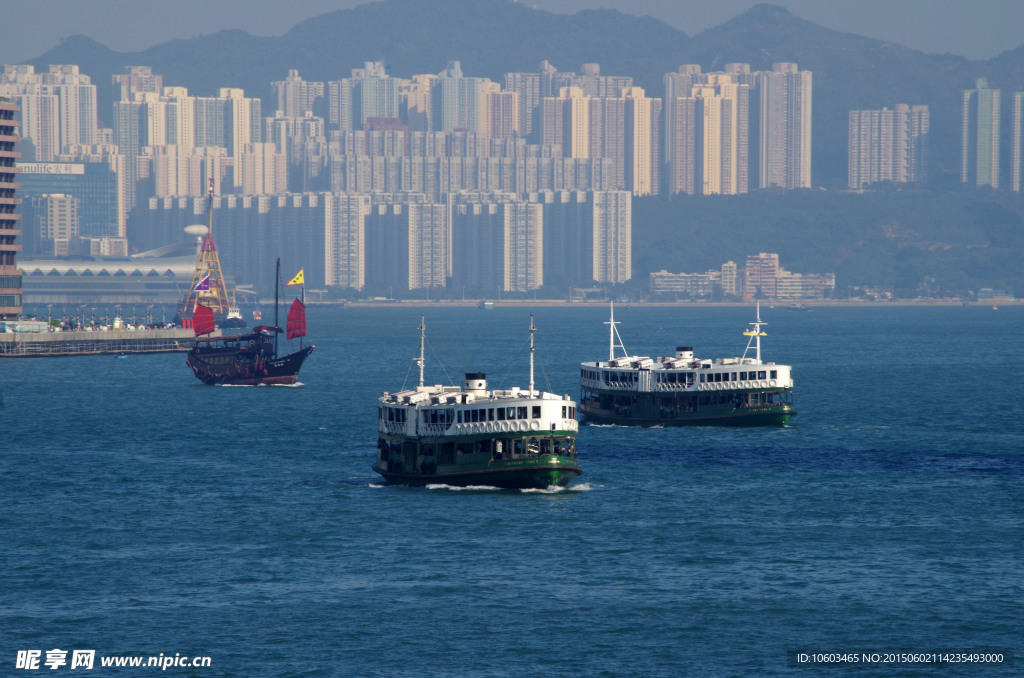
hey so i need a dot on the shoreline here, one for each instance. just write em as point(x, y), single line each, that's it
point(560, 303)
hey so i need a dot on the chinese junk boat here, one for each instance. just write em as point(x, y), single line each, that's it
point(470, 436)
point(683, 389)
point(248, 359)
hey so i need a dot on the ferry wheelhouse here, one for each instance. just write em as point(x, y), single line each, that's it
point(469, 435)
point(683, 389)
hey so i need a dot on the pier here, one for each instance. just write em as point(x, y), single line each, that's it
point(53, 344)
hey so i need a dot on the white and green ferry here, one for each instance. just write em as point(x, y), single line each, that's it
point(468, 435)
point(682, 389)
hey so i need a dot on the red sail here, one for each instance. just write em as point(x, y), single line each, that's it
point(296, 320)
point(202, 320)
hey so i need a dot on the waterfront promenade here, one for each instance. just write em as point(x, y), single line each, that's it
point(51, 344)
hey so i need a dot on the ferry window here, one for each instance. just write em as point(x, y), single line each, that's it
point(702, 377)
point(520, 413)
point(490, 414)
point(743, 376)
point(511, 413)
point(718, 376)
point(760, 374)
point(734, 376)
point(501, 414)
point(775, 374)
point(476, 416)
point(536, 411)
point(460, 416)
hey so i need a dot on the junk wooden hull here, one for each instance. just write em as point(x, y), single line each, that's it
point(231, 365)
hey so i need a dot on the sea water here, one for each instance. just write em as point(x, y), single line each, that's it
point(145, 514)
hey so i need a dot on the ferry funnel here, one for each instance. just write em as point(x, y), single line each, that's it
point(476, 383)
point(684, 352)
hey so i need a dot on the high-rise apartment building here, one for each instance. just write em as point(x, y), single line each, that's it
point(136, 79)
point(1017, 138)
point(709, 135)
point(10, 275)
point(759, 276)
point(368, 93)
point(296, 97)
point(527, 88)
point(784, 129)
point(979, 143)
point(612, 236)
point(478, 248)
point(407, 244)
point(590, 81)
point(888, 145)
point(642, 142)
point(681, 128)
point(230, 120)
point(53, 221)
point(459, 102)
point(58, 108)
point(503, 114)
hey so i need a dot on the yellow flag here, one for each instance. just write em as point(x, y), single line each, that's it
point(299, 279)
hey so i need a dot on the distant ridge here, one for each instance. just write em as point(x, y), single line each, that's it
point(492, 37)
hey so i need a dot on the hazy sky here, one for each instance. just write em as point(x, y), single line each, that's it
point(976, 29)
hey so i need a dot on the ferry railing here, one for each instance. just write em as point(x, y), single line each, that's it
point(433, 429)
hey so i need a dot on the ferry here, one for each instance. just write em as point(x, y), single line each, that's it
point(469, 435)
point(682, 389)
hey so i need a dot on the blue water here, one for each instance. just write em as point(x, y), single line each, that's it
point(144, 513)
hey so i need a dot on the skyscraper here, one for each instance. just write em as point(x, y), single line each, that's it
point(10, 275)
point(979, 155)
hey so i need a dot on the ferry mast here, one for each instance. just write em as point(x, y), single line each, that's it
point(755, 333)
point(613, 334)
point(208, 286)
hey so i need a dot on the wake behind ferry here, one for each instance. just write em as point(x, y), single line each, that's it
point(468, 436)
point(682, 389)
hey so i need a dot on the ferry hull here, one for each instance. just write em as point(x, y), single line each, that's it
point(540, 473)
point(643, 411)
point(771, 416)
